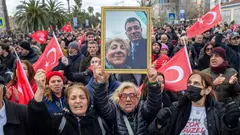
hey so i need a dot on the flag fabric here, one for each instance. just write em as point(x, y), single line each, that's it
point(206, 22)
point(177, 71)
point(67, 27)
point(40, 36)
point(234, 27)
point(25, 93)
point(49, 59)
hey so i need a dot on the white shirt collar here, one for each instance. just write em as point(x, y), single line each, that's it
point(3, 111)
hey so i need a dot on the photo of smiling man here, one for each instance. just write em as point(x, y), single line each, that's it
point(126, 35)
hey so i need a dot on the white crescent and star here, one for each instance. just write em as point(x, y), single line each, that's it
point(49, 52)
point(180, 73)
point(214, 14)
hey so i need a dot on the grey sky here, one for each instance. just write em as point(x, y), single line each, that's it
point(11, 4)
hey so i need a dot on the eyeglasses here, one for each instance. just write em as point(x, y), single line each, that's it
point(124, 96)
point(209, 49)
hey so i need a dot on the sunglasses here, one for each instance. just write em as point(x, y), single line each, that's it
point(209, 49)
point(124, 96)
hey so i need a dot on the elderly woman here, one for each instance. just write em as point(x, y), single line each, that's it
point(125, 112)
point(197, 112)
point(77, 119)
point(116, 53)
point(225, 78)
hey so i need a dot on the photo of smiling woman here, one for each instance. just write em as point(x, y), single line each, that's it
point(117, 51)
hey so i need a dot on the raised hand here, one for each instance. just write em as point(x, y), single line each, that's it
point(65, 61)
point(233, 79)
point(152, 74)
point(219, 80)
point(232, 113)
point(40, 78)
point(98, 74)
point(163, 116)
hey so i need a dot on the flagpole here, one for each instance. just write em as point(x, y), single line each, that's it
point(23, 70)
point(57, 43)
point(185, 48)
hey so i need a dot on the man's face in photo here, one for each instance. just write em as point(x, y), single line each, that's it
point(133, 31)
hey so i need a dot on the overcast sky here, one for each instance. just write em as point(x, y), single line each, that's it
point(11, 4)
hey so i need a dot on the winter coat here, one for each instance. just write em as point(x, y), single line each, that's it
point(225, 91)
point(112, 86)
point(32, 57)
point(55, 105)
point(181, 113)
point(74, 62)
point(48, 124)
point(144, 113)
point(204, 62)
point(17, 123)
point(9, 61)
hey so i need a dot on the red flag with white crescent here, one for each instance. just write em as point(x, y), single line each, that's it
point(67, 27)
point(40, 36)
point(177, 71)
point(49, 59)
point(25, 93)
point(206, 22)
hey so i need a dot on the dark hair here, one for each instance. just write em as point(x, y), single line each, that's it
point(31, 73)
point(132, 19)
point(207, 80)
point(5, 47)
point(90, 33)
point(144, 92)
point(205, 47)
point(93, 42)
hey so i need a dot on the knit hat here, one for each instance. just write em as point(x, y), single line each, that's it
point(54, 73)
point(220, 51)
point(25, 45)
point(164, 46)
point(74, 45)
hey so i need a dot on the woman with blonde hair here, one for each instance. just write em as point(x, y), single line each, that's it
point(125, 112)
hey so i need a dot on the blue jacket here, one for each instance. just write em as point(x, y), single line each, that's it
point(56, 105)
point(113, 85)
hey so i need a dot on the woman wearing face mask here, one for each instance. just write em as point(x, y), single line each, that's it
point(197, 112)
point(78, 118)
point(125, 112)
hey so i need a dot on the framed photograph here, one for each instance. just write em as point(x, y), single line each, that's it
point(126, 39)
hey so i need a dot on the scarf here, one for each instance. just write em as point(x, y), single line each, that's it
point(221, 68)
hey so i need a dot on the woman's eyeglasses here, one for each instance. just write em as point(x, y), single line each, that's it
point(124, 96)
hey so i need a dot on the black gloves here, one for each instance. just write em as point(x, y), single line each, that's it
point(232, 114)
point(163, 116)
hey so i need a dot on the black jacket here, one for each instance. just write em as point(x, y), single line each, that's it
point(32, 57)
point(9, 61)
point(204, 62)
point(139, 119)
point(130, 78)
point(74, 62)
point(181, 113)
point(44, 123)
point(16, 119)
point(140, 55)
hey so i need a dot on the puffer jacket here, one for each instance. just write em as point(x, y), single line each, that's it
point(139, 119)
point(181, 113)
point(225, 91)
point(32, 57)
point(44, 123)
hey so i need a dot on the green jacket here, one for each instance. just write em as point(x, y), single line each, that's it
point(225, 91)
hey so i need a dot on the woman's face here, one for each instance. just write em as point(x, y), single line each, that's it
point(164, 52)
point(56, 84)
point(116, 53)
point(78, 102)
point(208, 50)
point(62, 44)
point(196, 80)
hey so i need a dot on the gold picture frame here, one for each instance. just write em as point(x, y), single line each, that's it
point(126, 28)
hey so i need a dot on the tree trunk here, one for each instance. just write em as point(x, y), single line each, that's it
point(6, 16)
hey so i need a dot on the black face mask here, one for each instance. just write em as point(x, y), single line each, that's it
point(193, 93)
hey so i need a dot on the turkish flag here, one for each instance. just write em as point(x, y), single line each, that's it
point(49, 59)
point(40, 36)
point(67, 27)
point(25, 93)
point(206, 22)
point(177, 71)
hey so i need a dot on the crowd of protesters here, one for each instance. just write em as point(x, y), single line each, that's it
point(78, 97)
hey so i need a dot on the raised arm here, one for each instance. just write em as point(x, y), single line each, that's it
point(102, 104)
